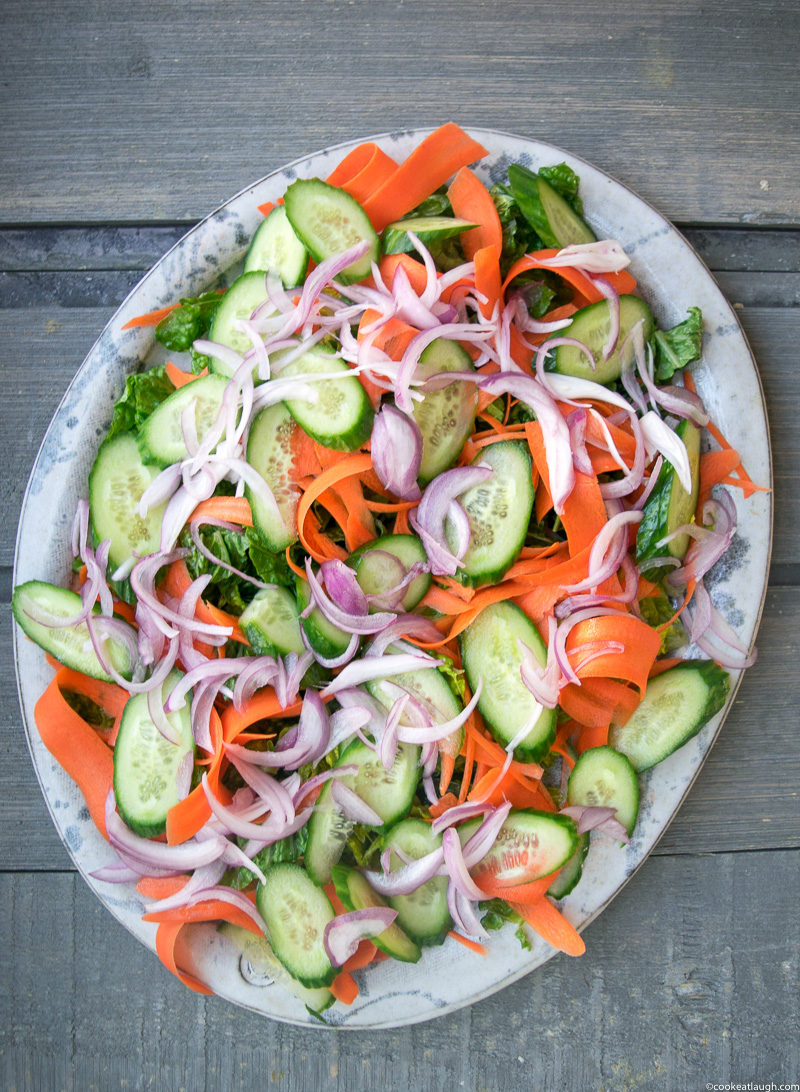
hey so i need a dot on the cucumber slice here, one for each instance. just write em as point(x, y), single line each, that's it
point(70, 645)
point(445, 417)
point(355, 893)
point(669, 506)
point(275, 247)
point(271, 623)
point(329, 221)
point(388, 792)
point(570, 874)
point(490, 652)
point(428, 229)
point(590, 326)
point(242, 298)
point(342, 417)
point(546, 210)
point(296, 912)
point(326, 639)
point(269, 451)
point(146, 764)
point(674, 709)
point(431, 688)
point(499, 512)
point(160, 438)
point(259, 961)
point(602, 777)
point(531, 844)
point(423, 915)
point(375, 576)
point(116, 483)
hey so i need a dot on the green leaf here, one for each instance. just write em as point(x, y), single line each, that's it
point(679, 346)
point(269, 568)
point(656, 611)
point(144, 391)
point(189, 321)
point(518, 236)
point(454, 676)
point(497, 914)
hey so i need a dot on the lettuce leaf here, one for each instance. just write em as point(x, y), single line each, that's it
point(565, 182)
point(144, 391)
point(679, 346)
point(189, 321)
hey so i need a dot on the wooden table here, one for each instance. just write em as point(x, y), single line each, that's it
point(124, 124)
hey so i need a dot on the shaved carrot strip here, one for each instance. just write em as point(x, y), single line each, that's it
point(363, 171)
point(429, 166)
point(361, 957)
point(472, 201)
point(642, 645)
point(161, 887)
point(77, 748)
point(526, 893)
point(344, 988)
point(178, 378)
point(207, 910)
point(263, 705)
point(551, 925)
point(349, 466)
point(166, 938)
point(110, 697)
point(230, 509)
point(473, 945)
point(152, 318)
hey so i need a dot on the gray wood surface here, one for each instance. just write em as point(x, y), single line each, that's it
point(120, 126)
point(145, 111)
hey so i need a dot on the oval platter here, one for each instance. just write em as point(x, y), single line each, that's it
point(672, 278)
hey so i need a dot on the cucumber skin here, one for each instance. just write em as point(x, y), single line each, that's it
point(569, 876)
point(654, 524)
point(293, 201)
point(525, 185)
point(427, 940)
point(718, 683)
point(311, 982)
point(341, 881)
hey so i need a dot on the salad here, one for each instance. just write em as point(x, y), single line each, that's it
point(378, 582)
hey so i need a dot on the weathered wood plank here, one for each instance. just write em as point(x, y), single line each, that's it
point(38, 249)
point(143, 117)
point(679, 986)
point(736, 804)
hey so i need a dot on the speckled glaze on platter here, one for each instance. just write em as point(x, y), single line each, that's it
point(671, 277)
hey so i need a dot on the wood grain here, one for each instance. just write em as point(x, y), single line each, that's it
point(134, 116)
point(676, 989)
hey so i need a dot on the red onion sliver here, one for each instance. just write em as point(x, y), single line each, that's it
point(351, 805)
point(344, 933)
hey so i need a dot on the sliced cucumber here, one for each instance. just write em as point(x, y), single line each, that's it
point(490, 652)
point(531, 844)
point(276, 248)
point(161, 436)
point(146, 764)
point(669, 506)
point(342, 417)
point(570, 874)
point(423, 915)
point(271, 623)
point(376, 575)
point(546, 210)
point(445, 417)
point(602, 777)
point(388, 792)
point(269, 451)
point(429, 687)
point(355, 893)
point(70, 645)
point(259, 961)
point(296, 912)
point(591, 326)
point(329, 221)
point(499, 511)
point(326, 639)
point(242, 298)
point(428, 229)
point(116, 483)
point(676, 706)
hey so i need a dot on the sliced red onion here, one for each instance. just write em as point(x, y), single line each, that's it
point(271, 791)
point(651, 484)
point(397, 452)
point(675, 400)
point(580, 602)
point(212, 671)
point(343, 588)
point(351, 805)
point(315, 782)
point(602, 256)
point(407, 625)
point(568, 388)
point(344, 933)
point(155, 709)
point(434, 509)
point(388, 743)
point(612, 297)
point(463, 913)
point(377, 667)
point(457, 868)
point(296, 667)
point(102, 629)
point(225, 355)
point(719, 628)
point(350, 623)
point(194, 528)
point(607, 552)
point(269, 836)
point(486, 835)
point(142, 582)
point(256, 675)
point(455, 331)
point(660, 437)
point(116, 872)
point(406, 880)
point(458, 813)
point(160, 489)
point(628, 362)
point(183, 858)
point(554, 428)
point(576, 422)
point(437, 732)
point(231, 821)
point(709, 546)
point(331, 662)
point(589, 817)
point(235, 898)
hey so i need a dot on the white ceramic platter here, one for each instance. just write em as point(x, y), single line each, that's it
point(672, 278)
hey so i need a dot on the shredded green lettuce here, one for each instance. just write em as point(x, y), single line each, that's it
point(144, 392)
point(497, 914)
point(657, 610)
point(189, 321)
point(679, 346)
